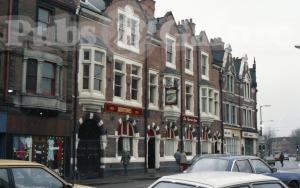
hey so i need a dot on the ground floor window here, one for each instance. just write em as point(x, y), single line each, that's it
point(125, 144)
point(188, 147)
point(169, 147)
point(47, 150)
point(233, 145)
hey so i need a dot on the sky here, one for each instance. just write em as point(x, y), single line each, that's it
point(266, 30)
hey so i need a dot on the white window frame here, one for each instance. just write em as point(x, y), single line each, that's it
point(153, 105)
point(123, 81)
point(173, 63)
point(128, 13)
point(137, 77)
point(123, 100)
point(91, 62)
point(230, 115)
point(216, 104)
point(190, 70)
point(191, 86)
point(206, 75)
point(201, 99)
point(230, 83)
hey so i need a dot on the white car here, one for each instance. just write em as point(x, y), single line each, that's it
point(218, 180)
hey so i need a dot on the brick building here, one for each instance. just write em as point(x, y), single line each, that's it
point(36, 86)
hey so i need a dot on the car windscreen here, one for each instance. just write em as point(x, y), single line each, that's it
point(209, 164)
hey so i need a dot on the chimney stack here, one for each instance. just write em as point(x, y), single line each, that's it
point(149, 8)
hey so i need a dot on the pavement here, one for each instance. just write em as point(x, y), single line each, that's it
point(118, 179)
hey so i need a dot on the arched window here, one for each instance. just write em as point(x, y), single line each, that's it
point(125, 132)
point(170, 142)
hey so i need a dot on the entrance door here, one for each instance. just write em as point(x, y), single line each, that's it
point(88, 151)
point(151, 153)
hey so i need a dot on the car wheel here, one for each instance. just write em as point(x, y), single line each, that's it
point(293, 184)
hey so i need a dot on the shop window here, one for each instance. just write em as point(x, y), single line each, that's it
point(188, 142)
point(22, 148)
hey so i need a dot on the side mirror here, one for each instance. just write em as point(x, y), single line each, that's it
point(274, 170)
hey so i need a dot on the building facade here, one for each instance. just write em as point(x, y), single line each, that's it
point(131, 82)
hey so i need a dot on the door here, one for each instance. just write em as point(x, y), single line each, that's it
point(39, 149)
point(151, 153)
point(88, 151)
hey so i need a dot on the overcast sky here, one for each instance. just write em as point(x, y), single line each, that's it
point(264, 29)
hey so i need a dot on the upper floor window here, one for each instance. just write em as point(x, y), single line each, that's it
point(43, 20)
point(128, 29)
point(230, 114)
point(170, 51)
point(93, 69)
point(247, 90)
point(189, 60)
point(189, 97)
point(31, 76)
point(204, 100)
point(204, 66)
point(153, 89)
point(48, 79)
point(230, 83)
point(135, 82)
point(216, 103)
point(119, 81)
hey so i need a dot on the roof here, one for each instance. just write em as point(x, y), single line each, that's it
point(223, 178)
point(18, 163)
point(218, 57)
point(237, 63)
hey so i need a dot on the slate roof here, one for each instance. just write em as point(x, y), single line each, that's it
point(206, 83)
point(92, 40)
point(237, 63)
point(168, 70)
point(218, 57)
point(253, 76)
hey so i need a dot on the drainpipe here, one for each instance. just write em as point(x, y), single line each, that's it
point(146, 100)
point(221, 109)
point(75, 92)
point(181, 95)
point(198, 100)
point(7, 52)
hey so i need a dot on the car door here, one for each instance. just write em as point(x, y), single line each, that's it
point(4, 178)
point(260, 167)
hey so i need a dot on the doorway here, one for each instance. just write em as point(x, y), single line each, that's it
point(88, 151)
point(151, 153)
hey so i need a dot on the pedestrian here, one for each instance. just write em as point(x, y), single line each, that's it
point(125, 160)
point(281, 158)
point(183, 161)
point(177, 157)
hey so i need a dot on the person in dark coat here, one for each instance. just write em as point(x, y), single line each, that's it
point(177, 157)
point(125, 160)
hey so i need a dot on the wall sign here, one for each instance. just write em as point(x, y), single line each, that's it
point(190, 119)
point(123, 109)
point(171, 96)
point(250, 135)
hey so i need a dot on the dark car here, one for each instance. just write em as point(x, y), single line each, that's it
point(249, 164)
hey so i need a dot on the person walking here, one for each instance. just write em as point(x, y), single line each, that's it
point(183, 161)
point(281, 158)
point(177, 157)
point(125, 160)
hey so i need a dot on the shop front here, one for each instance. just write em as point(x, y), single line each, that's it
point(232, 141)
point(250, 142)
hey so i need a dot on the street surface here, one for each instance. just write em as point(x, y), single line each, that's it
point(292, 166)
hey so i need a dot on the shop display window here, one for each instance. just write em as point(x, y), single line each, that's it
point(22, 148)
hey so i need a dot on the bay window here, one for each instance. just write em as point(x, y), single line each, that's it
point(48, 79)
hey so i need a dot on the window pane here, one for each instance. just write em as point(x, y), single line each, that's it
point(134, 89)
point(48, 80)
point(260, 167)
point(34, 177)
point(86, 55)
point(43, 15)
point(118, 85)
point(244, 166)
point(31, 75)
point(119, 66)
point(209, 164)
point(121, 27)
point(48, 70)
point(86, 76)
point(135, 70)
point(98, 56)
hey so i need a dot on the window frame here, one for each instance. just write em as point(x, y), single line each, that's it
point(205, 75)
point(38, 21)
point(155, 86)
point(138, 78)
point(191, 59)
point(189, 95)
point(173, 52)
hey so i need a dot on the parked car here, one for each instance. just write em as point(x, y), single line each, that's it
point(270, 160)
point(249, 164)
point(14, 173)
point(286, 157)
point(217, 180)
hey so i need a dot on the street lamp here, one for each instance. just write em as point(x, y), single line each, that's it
point(260, 112)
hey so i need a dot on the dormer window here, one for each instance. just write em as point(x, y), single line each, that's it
point(128, 29)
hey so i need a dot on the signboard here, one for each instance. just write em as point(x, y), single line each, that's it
point(190, 119)
point(171, 96)
point(227, 133)
point(250, 135)
point(123, 109)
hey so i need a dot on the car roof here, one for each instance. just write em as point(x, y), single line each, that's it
point(229, 157)
point(18, 163)
point(218, 179)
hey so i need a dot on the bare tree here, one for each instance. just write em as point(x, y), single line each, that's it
point(269, 135)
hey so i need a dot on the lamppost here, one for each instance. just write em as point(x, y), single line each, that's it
point(260, 112)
